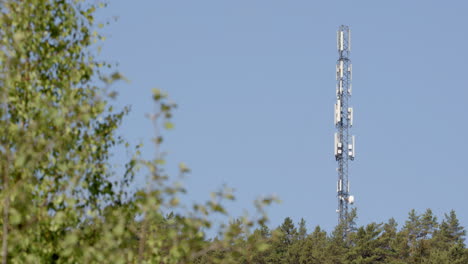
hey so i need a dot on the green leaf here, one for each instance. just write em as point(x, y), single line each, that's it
point(168, 125)
point(183, 168)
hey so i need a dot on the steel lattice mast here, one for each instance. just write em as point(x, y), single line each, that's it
point(344, 142)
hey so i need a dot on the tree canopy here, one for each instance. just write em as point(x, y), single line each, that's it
point(421, 240)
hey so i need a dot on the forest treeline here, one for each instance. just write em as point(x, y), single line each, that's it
point(422, 239)
point(63, 201)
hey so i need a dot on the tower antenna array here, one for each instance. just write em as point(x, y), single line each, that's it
point(344, 142)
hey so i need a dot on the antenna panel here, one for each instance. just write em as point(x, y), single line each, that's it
point(338, 112)
point(349, 39)
point(350, 116)
point(338, 40)
point(341, 69)
point(351, 149)
point(337, 72)
point(341, 39)
point(336, 145)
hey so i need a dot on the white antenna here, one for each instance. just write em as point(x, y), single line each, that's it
point(337, 112)
point(341, 40)
point(350, 116)
point(341, 69)
point(337, 72)
point(349, 40)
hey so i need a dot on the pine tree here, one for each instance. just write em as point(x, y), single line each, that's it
point(428, 224)
point(288, 231)
point(393, 242)
point(302, 233)
point(337, 245)
point(454, 231)
point(413, 227)
point(450, 232)
point(264, 231)
point(367, 247)
point(428, 227)
point(315, 247)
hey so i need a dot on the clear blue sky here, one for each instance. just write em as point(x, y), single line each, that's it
point(255, 82)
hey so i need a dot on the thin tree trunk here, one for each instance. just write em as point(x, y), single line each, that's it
point(6, 209)
point(141, 247)
point(6, 192)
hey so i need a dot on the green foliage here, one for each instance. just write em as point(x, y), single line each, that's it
point(56, 127)
point(61, 202)
point(419, 241)
point(302, 230)
point(315, 248)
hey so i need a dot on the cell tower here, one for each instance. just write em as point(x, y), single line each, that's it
point(344, 142)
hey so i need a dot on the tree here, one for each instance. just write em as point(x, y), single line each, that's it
point(457, 254)
point(413, 227)
point(367, 247)
point(450, 232)
point(289, 232)
point(302, 232)
point(315, 247)
point(429, 224)
point(395, 243)
point(57, 128)
point(264, 231)
point(423, 245)
point(282, 239)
